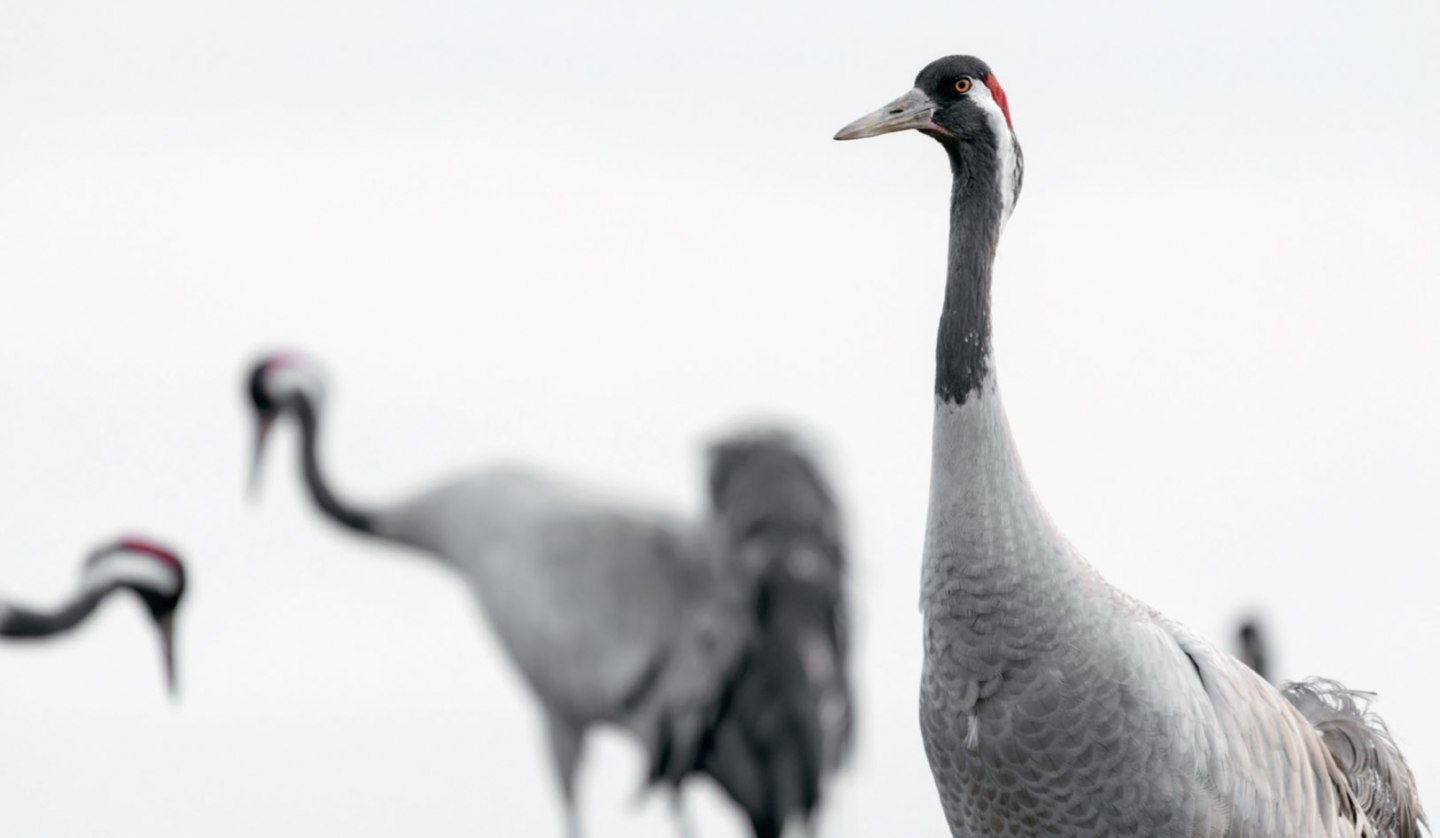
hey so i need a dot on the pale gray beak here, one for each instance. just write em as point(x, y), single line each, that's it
point(913, 110)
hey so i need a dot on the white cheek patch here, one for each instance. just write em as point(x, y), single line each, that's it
point(1009, 153)
point(289, 380)
point(137, 570)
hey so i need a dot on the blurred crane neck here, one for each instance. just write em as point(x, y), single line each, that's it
point(24, 623)
point(340, 511)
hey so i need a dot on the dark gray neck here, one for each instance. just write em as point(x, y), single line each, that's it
point(962, 352)
point(342, 512)
point(25, 623)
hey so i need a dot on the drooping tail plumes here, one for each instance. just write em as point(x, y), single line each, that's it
point(787, 719)
point(1381, 782)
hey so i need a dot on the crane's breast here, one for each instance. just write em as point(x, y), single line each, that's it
point(1123, 733)
point(1061, 752)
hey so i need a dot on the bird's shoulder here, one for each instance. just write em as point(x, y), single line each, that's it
point(1246, 740)
point(508, 502)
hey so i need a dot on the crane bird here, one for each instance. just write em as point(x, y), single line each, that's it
point(152, 572)
point(1252, 647)
point(720, 644)
point(1051, 703)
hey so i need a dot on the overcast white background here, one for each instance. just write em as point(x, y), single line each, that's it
point(590, 237)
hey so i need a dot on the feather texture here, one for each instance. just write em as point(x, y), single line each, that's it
point(1365, 753)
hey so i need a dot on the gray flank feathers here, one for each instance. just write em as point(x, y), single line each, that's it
point(1365, 752)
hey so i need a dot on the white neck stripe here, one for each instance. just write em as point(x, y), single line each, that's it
point(1008, 158)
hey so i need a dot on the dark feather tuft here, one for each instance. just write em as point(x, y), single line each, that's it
point(785, 721)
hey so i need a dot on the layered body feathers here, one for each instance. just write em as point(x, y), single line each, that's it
point(1054, 704)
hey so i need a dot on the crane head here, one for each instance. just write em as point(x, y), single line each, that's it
point(276, 382)
point(1253, 648)
point(155, 574)
point(956, 99)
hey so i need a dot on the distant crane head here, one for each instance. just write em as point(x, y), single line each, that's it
point(278, 382)
point(1253, 647)
point(154, 573)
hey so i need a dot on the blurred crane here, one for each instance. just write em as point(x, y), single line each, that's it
point(1051, 703)
point(719, 644)
point(153, 573)
point(788, 721)
point(1253, 648)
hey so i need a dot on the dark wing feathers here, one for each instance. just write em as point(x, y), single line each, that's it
point(786, 719)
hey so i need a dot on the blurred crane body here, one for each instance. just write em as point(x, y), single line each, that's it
point(680, 632)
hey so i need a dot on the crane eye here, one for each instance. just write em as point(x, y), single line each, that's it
point(963, 85)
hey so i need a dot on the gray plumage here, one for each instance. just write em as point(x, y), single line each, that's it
point(622, 614)
point(1365, 752)
point(1358, 739)
point(1051, 703)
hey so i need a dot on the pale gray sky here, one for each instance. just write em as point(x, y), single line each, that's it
point(591, 236)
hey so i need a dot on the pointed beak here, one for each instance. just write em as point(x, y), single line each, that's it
point(913, 110)
point(167, 651)
point(262, 432)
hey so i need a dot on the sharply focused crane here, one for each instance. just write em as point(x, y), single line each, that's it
point(1052, 703)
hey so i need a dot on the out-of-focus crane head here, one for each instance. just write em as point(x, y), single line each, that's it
point(1253, 649)
point(276, 382)
point(155, 574)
